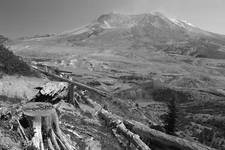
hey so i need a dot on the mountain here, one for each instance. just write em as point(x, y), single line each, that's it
point(153, 31)
point(144, 61)
point(146, 31)
point(117, 45)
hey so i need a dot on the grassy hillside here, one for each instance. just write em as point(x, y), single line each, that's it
point(11, 64)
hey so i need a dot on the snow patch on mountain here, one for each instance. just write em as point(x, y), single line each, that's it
point(181, 23)
point(107, 25)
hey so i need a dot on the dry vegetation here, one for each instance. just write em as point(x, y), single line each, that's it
point(11, 64)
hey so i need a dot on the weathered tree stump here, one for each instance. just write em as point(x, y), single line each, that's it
point(42, 117)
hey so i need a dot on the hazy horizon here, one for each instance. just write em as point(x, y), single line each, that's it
point(31, 17)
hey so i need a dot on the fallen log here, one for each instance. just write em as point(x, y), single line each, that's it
point(165, 140)
point(216, 92)
point(157, 137)
point(121, 128)
point(98, 91)
point(21, 131)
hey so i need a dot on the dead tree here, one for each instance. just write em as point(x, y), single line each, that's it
point(121, 128)
point(71, 98)
point(156, 137)
point(44, 121)
point(116, 123)
point(162, 139)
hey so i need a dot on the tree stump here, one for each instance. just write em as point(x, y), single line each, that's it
point(42, 117)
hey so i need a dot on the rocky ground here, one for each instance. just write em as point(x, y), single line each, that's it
point(87, 125)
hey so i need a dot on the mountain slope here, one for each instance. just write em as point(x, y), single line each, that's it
point(146, 31)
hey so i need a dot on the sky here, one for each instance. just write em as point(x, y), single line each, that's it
point(20, 18)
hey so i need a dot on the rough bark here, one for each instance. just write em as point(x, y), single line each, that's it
point(70, 98)
point(44, 120)
point(163, 139)
point(21, 131)
point(121, 128)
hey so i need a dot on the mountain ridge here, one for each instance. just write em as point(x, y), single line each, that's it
point(142, 31)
